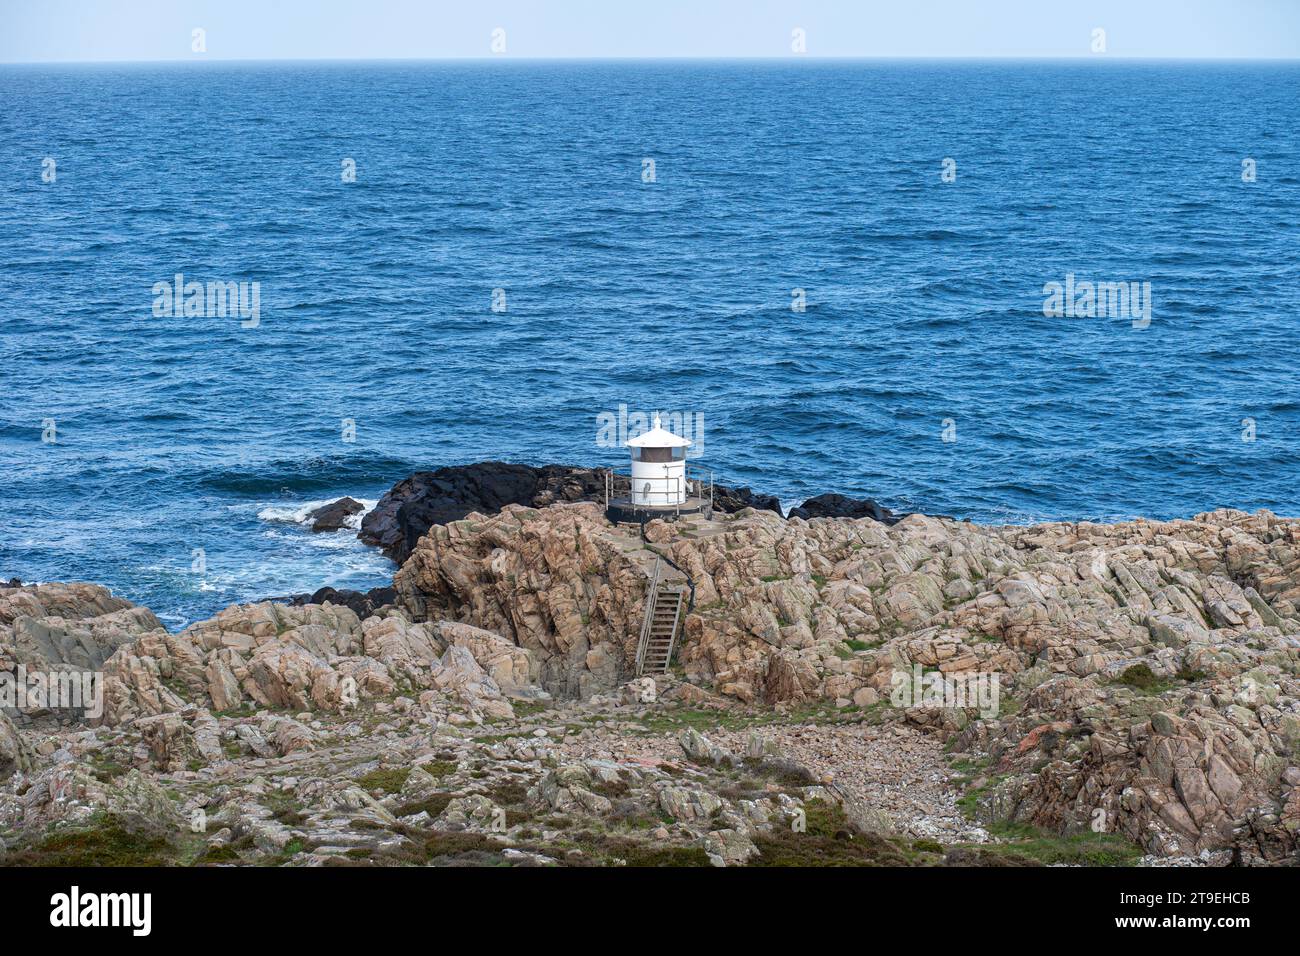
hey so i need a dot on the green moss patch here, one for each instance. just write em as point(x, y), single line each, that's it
point(104, 843)
point(384, 781)
point(1081, 849)
point(433, 805)
point(829, 840)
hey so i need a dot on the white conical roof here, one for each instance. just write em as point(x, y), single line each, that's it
point(658, 437)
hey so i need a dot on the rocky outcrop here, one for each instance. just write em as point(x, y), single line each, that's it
point(71, 602)
point(362, 603)
point(315, 657)
point(560, 582)
point(838, 506)
point(15, 755)
point(428, 498)
point(1139, 679)
point(334, 516)
point(73, 627)
point(1067, 617)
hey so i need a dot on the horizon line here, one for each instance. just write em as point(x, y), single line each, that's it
point(199, 59)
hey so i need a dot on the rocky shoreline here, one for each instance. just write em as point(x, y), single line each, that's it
point(407, 511)
point(484, 708)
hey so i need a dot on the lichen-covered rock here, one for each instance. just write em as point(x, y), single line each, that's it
point(459, 674)
point(640, 691)
point(170, 741)
point(15, 755)
point(702, 750)
point(729, 847)
point(288, 735)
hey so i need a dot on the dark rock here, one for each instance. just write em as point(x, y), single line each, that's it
point(840, 506)
point(736, 499)
point(426, 498)
point(333, 517)
point(364, 603)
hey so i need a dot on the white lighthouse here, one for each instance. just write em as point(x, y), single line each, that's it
point(658, 467)
point(659, 484)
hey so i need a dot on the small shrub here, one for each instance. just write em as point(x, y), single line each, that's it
point(432, 805)
point(1139, 676)
point(829, 840)
point(107, 842)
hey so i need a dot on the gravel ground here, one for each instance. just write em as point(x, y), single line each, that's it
point(896, 770)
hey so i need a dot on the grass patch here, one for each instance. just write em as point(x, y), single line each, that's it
point(290, 850)
point(284, 809)
point(384, 781)
point(437, 769)
point(105, 843)
point(640, 854)
point(1141, 679)
point(508, 793)
point(677, 719)
point(968, 802)
point(829, 840)
point(218, 854)
point(528, 708)
point(781, 770)
point(1081, 849)
point(433, 805)
point(104, 768)
point(971, 765)
point(445, 843)
point(599, 848)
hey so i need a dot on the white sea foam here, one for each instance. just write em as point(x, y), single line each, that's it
point(297, 513)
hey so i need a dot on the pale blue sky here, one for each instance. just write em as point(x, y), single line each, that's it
point(62, 30)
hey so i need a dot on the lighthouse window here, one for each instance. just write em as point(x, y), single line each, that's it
point(656, 454)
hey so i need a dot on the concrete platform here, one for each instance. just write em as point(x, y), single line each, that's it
point(623, 510)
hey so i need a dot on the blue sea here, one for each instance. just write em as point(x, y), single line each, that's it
point(646, 225)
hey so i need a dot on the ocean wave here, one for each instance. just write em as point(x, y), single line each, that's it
point(298, 513)
point(307, 474)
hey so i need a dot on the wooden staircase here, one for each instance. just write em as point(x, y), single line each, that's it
point(663, 617)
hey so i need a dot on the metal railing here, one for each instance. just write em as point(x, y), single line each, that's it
point(652, 598)
point(674, 494)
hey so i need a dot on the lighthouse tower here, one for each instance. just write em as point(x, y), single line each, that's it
point(658, 467)
point(659, 484)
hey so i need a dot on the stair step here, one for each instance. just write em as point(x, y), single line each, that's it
point(661, 623)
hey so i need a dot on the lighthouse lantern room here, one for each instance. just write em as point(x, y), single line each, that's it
point(658, 467)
